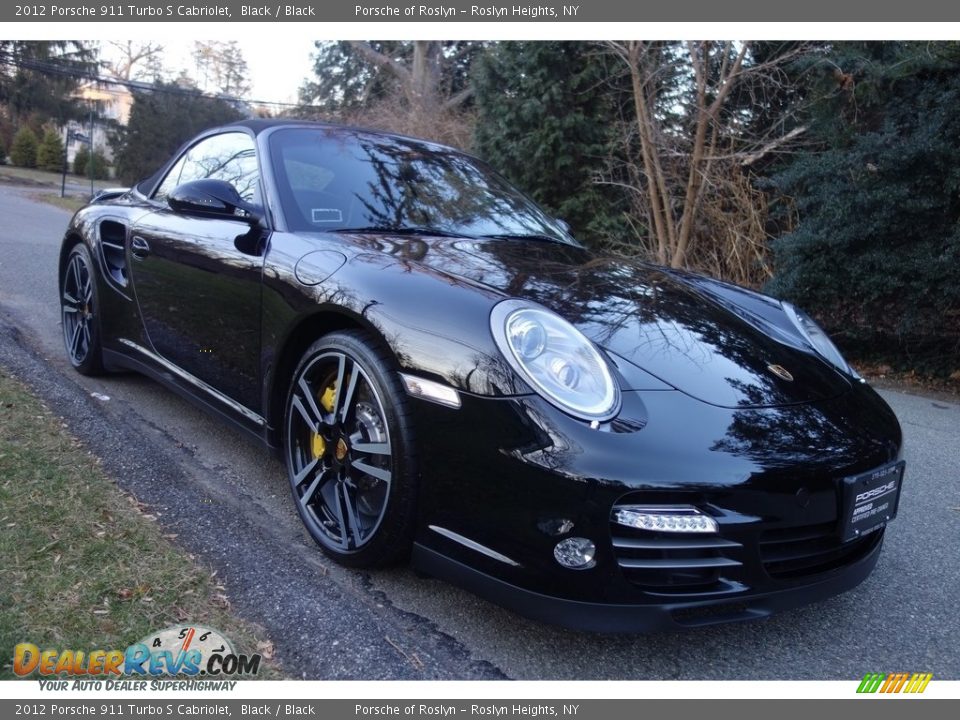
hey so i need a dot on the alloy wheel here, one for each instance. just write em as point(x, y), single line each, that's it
point(339, 451)
point(79, 312)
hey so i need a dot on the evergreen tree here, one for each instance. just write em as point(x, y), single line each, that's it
point(50, 153)
point(876, 253)
point(345, 80)
point(160, 121)
point(41, 76)
point(350, 75)
point(545, 120)
point(23, 151)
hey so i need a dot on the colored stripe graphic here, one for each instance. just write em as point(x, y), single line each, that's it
point(870, 683)
point(918, 683)
point(894, 682)
point(890, 682)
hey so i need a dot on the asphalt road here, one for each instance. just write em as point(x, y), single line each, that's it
point(229, 503)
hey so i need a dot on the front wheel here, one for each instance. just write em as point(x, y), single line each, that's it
point(349, 450)
point(79, 305)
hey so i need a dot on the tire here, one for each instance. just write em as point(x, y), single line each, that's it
point(348, 446)
point(79, 312)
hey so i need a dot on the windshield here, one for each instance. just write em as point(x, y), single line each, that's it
point(339, 179)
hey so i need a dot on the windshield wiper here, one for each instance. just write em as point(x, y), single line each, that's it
point(404, 230)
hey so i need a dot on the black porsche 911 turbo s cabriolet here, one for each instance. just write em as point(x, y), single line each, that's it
point(449, 375)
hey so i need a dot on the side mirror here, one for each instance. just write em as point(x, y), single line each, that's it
point(564, 225)
point(212, 198)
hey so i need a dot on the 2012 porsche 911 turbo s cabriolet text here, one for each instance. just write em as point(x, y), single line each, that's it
point(450, 376)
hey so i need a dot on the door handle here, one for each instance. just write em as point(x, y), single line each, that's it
point(139, 247)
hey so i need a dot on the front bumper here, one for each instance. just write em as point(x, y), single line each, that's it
point(515, 476)
point(642, 618)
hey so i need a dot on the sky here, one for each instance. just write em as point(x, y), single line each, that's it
point(276, 68)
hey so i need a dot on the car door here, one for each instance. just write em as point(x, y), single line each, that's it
point(197, 279)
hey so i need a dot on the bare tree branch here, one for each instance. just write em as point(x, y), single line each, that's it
point(134, 54)
point(750, 158)
point(381, 59)
point(688, 147)
point(455, 101)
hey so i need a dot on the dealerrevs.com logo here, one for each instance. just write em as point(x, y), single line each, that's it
point(894, 682)
point(184, 651)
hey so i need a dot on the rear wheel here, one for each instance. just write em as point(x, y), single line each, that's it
point(79, 307)
point(349, 450)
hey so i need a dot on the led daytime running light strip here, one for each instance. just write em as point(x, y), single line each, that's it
point(676, 520)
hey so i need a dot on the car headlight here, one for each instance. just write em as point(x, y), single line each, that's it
point(556, 359)
point(817, 338)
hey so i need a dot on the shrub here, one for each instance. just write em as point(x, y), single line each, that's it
point(100, 169)
point(50, 153)
point(80, 160)
point(23, 151)
point(83, 159)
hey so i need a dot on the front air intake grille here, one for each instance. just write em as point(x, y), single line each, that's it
point(811, 549)
point(675, 562)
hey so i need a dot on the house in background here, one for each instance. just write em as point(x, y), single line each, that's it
point(109, 102)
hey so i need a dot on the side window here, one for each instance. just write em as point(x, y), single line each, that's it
point(231, 157)
point(171, 180)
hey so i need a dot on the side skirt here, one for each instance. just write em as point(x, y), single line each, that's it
point(244, 420)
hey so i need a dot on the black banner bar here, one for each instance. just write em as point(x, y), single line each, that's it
point(486, 11)
point(120, 707)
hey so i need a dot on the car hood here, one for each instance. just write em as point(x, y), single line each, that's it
point(646, 315)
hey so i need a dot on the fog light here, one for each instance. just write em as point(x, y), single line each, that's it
point(576, 553)
point(678, 519)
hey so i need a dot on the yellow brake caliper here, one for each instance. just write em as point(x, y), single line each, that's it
point(318, 446)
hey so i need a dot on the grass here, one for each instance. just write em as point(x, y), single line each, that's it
point(83, 565)
point(70, 202)
point(42, 178)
